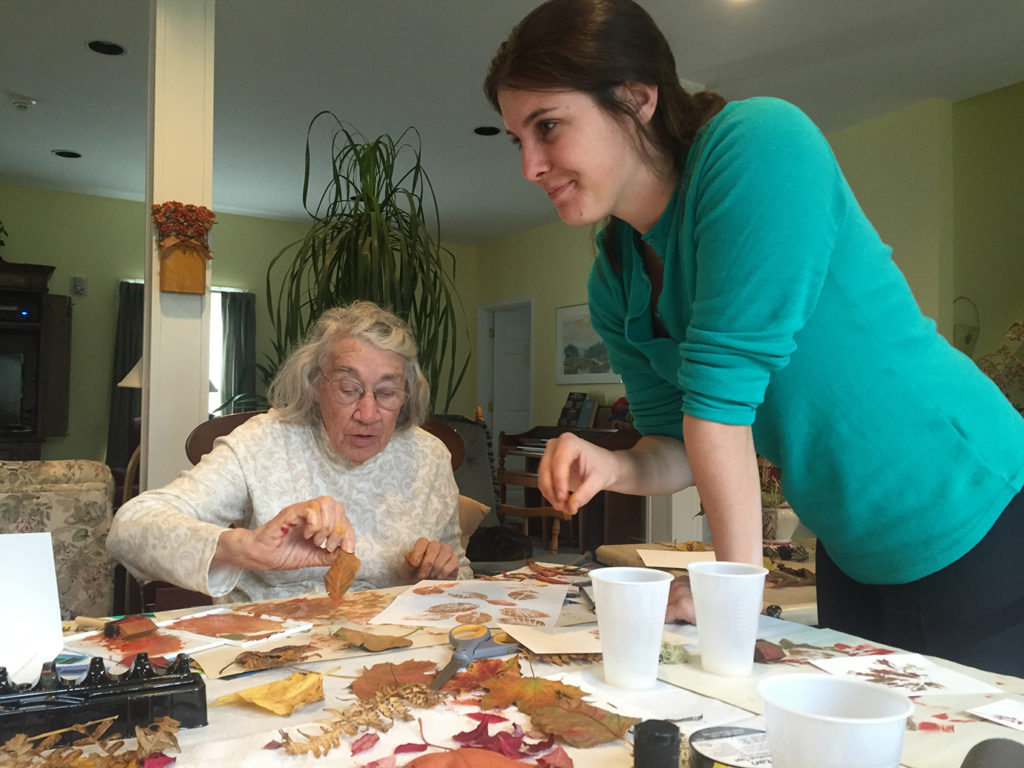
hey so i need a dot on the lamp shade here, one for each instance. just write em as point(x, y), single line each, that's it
point(133, 379)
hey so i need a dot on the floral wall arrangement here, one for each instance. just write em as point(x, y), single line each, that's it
point(182, 234)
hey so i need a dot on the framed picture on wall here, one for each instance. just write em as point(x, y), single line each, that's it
point(580, 354)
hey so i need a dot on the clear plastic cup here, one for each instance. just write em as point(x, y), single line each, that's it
point(631, 605)
point(727, 600)
point(820, 721)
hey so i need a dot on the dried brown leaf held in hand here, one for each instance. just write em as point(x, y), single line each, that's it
point(340, 575)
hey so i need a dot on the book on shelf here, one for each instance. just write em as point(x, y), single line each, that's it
point(587, 414)
point(571, 410)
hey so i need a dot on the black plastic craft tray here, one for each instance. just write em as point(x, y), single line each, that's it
point(137, 697)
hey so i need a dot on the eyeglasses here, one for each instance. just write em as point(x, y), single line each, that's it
point(347, 391)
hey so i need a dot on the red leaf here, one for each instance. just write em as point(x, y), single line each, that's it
point(410, 748)
point(558, 758)
point(157, 761)
point(486, 717)
point(273, 745)
point(384, 762)
point(364, 742)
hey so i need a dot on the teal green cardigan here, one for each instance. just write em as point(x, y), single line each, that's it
point(786, 312)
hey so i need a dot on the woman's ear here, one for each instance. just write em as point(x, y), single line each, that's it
point(643, 97)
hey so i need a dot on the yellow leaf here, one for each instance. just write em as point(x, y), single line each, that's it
point(283, 697)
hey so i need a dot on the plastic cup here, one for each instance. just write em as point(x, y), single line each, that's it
point(727, 600)
point(819, 721)
point(631, 605)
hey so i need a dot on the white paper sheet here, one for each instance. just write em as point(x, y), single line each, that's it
point(450, 603)
point(910, 673)
point(30, 633)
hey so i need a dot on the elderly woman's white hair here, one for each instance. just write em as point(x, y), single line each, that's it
point(292, 393)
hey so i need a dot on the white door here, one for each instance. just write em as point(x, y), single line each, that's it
point(512, 378)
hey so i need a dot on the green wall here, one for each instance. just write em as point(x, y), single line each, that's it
point(989, 212)
point(900, 166)
point(104, 241)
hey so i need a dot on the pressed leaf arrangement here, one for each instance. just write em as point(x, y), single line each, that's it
point(375, 236)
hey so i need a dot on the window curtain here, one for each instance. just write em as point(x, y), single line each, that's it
point(238, 309)
point(125, 402)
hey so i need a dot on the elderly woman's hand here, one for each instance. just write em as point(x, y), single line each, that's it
point(301, 535)
point(429, 560)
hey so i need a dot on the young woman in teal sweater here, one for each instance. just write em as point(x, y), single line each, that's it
point(750, 306)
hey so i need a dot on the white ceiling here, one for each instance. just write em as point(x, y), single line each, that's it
point(384, 65)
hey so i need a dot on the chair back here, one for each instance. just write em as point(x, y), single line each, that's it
point(200, 440)
point(452, 440)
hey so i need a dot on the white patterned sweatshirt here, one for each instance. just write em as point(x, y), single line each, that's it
point(405, 492)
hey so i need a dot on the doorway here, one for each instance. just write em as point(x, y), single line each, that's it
point(505, 365)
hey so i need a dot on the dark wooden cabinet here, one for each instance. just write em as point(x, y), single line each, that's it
point(35, 360)
point(609, 518)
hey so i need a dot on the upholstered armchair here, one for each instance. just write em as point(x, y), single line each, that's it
point(73, 500)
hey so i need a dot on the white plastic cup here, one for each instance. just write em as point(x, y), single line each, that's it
point(820, 721)
point(727, 600)
point(631, 605)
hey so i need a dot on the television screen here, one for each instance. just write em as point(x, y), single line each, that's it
point(11, 384)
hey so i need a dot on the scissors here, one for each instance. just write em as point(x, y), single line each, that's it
point(472, 642)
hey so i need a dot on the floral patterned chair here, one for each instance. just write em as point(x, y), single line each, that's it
point(73, 500)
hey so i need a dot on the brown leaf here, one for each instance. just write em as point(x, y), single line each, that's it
point(480, 671)
point(276, 657)
point(390, 675)
point(579, 724)
point(340, 575)
point(527, 693)
point(370, 641)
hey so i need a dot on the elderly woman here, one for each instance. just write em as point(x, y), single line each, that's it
point(338, 456)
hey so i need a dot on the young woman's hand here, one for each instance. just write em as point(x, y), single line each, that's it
point(299, 536)
point(429, 560)
point(680, 601)
point(572, 471)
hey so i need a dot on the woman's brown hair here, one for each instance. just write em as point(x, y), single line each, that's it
point(596, 46)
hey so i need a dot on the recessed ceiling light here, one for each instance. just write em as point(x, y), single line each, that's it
point(70, 153)
point(486, 130)
point(106, 48)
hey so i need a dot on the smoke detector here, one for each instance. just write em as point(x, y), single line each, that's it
point(21, 102)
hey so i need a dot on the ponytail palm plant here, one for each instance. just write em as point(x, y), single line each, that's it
point(375, 236)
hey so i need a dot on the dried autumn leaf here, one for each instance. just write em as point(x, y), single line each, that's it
point(390, 675)
point(370, 641)
point(340, 575)
point(276, 657)
point(527, 693)
point(579, 724)
point(481, 670)
point(364, 742)
point(556, 758)
point(467, 757)
point(283, 697)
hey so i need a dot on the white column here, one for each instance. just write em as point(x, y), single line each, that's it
point(180, 167)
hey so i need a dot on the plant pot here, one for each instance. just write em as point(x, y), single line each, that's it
point(778, 524)
point(182, 269)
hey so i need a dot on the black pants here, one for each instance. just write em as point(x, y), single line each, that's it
point(971, 611)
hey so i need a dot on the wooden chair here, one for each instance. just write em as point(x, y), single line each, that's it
point(535, 504)
point(200, 440)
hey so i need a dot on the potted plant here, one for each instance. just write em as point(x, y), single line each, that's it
point(376, 236)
